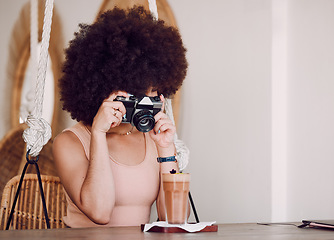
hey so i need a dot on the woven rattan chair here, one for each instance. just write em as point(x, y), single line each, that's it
point(12, 156)
point(12, 150)
point(28, 212)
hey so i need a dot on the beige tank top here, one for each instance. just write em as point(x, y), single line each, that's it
point(136, 187)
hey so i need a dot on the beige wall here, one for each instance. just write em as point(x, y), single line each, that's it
point(228, 103)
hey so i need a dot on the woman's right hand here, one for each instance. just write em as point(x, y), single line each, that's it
point(110, 113)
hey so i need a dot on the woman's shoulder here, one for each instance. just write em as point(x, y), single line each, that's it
point(69, 137)
point(78, 127)
point(72, 139)
point(65, 140)
point(67, 144)
point(73, 133)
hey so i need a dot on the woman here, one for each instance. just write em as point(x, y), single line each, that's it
point(109, 169)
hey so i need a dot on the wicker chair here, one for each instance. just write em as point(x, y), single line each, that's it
point(12, 148)
point(28, 212)
point(12, 156)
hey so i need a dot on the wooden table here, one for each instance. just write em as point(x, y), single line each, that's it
point(225, 231)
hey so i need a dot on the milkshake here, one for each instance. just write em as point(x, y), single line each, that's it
point(176, 189)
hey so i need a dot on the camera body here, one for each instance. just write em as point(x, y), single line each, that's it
point(140, 111)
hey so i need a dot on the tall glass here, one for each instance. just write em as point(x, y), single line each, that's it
point(176, 189)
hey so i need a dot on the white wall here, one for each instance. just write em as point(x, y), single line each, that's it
point(228, 103)
point(311, 109)
point(226, 113)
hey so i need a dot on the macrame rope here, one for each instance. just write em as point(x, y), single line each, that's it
point(153, 8)
point(33, 41)
point(39, 131)
point(182, 151)
point(43, 60)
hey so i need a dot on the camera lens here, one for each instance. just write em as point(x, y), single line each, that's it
point(144, 121)
point(120, 98)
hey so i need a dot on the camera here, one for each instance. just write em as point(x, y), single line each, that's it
point(140, 111)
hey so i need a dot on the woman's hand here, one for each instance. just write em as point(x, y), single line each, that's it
point(163, 131)
point(110, 113)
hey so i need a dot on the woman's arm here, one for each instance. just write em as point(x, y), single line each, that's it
point(163, 135)
point(89, 183)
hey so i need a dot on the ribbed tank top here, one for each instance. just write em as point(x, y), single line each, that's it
point(136, 187)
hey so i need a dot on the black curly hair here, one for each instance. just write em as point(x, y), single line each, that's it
point(124, 50)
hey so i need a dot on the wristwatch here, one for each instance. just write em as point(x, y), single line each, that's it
point(166, 159)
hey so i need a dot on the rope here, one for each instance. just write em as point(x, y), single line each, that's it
point(153, 8)
point(33, 44)
point(39, 131)
point(42, 65)
point(182, 152)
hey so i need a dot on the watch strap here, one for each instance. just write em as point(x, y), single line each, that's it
point(166, 159)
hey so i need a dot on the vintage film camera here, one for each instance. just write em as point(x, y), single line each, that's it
point(140, 111)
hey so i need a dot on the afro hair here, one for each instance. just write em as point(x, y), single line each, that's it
point(124, 50)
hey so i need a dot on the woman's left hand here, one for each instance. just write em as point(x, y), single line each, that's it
point(163, 131)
